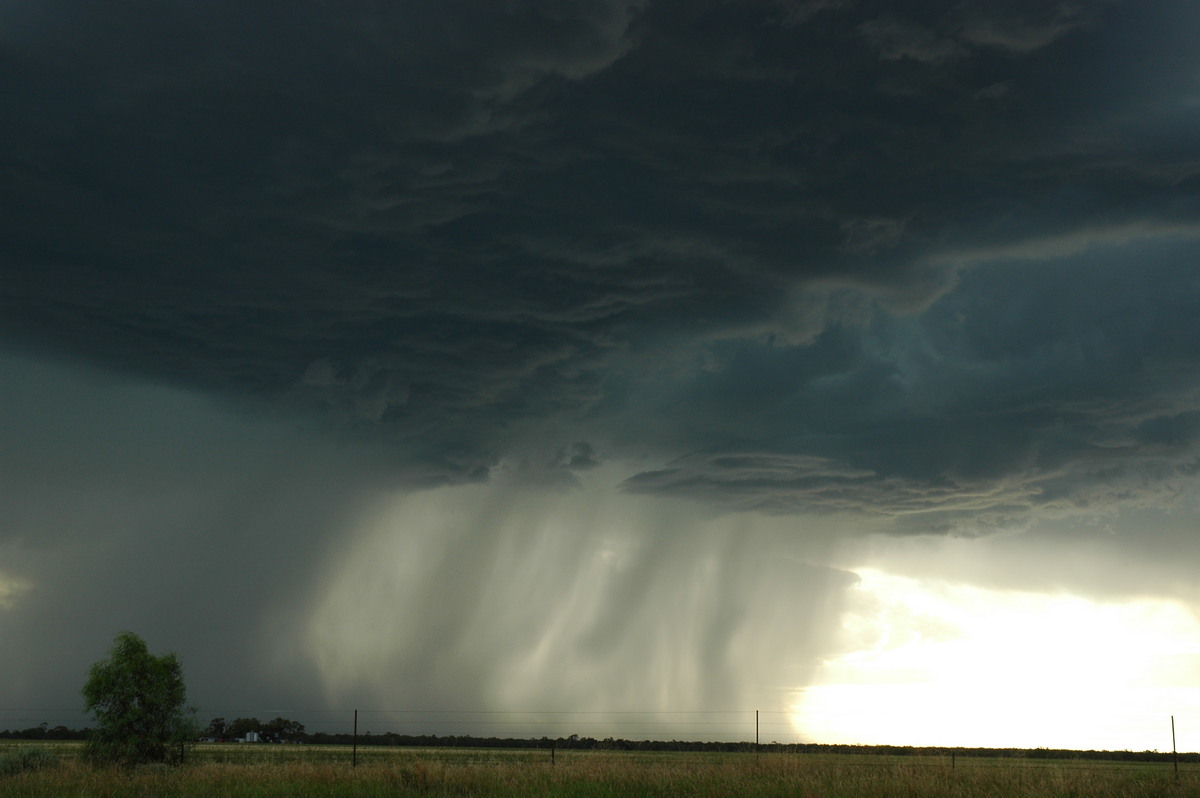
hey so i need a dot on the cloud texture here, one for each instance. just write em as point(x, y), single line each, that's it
point(928, 265)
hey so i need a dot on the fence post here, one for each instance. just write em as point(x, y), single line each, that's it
point(354, 750)
point(1174, 750)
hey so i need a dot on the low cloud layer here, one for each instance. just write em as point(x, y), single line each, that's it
point(1034, 387)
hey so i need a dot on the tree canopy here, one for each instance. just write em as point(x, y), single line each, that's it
point(137, 700)
point(278, 729)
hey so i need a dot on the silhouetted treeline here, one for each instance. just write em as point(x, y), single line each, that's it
point(45, 732)
point(575, 742)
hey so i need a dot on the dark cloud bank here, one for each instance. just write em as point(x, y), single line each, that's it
point(932, 263)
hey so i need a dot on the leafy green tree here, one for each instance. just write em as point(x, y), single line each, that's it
point(137, 700)
point(283, 729)
point(240, 726)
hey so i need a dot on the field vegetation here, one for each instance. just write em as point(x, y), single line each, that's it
point(247, 771)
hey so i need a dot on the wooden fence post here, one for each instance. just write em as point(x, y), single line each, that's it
point(1174, 750)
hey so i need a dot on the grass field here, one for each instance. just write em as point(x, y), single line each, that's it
point(231, 771)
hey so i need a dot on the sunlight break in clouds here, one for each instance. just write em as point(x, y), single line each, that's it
point(927, 662)
point(10, 588)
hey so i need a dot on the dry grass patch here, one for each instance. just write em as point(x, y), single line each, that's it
point(605, 774)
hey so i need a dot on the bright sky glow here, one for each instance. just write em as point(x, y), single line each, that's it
point(10, 588)
point(940, 663)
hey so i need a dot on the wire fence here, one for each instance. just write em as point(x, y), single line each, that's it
point(692, 725)
point(451, 727)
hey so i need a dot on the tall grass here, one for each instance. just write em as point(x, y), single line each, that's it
point(22, 760)
point(588, 774)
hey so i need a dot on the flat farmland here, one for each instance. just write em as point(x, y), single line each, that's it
point(257, 771)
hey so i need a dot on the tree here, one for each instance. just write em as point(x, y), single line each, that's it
point(137, 700)
point(283, 729)
point(241, 726)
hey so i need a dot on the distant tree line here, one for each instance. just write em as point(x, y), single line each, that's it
point(45, 732)
point(284, 730)
point(278, 730)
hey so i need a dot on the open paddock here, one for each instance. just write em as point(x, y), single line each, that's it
point(259, 771)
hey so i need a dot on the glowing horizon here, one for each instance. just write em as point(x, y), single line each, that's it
point(934, 662)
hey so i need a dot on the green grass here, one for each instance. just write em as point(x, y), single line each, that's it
point(227, 771)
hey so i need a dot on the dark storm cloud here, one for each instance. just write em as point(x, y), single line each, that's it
point(801, 255)
point(1032, 386)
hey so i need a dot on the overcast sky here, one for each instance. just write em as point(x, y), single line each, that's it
point(569, 355)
